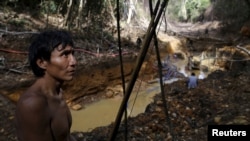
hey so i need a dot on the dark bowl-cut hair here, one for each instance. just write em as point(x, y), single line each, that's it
point(44, 44)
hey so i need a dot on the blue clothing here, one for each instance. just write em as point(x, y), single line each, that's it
point(192, 82)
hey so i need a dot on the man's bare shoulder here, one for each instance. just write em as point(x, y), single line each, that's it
point(32, 101)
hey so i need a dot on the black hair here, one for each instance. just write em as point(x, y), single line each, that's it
point(44, 44)
point(193, 73)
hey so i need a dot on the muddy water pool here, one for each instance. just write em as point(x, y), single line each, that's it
point(104, 112)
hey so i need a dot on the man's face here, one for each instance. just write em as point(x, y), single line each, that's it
point(62, 64)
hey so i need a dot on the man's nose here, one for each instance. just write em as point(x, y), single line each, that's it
point(73, 61)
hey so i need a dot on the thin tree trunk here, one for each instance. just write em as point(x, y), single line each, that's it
point(111, 11)
point(67, 14)
point(183, 11)
point(130, 12)
point(79, 16)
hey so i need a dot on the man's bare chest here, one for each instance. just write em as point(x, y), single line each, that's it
point(61, 119)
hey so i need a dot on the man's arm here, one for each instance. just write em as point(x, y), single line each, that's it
point(33, 119)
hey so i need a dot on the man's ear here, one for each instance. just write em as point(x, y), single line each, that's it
point(42, 63)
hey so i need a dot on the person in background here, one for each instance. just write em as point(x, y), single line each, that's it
point(192, 81)
point(42, 114)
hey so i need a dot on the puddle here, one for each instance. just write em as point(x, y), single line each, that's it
point(96, 114)
point(104, 112)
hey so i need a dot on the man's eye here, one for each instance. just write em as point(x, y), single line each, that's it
point(66, 54)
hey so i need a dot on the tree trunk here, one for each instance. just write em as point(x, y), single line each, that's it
point(69, 5)
point(183, 11)
point(79, 16)
point(131, 7)
point(111, 11)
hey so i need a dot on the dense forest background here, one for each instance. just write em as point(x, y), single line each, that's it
point(97, 14)
point(213, 28)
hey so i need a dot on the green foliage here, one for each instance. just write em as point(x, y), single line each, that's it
point(192, 8)
point(173, 9)
point(196, 8)
point(48, 7)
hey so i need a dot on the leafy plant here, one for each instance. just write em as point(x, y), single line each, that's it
point(187, 10)
point(48, 6)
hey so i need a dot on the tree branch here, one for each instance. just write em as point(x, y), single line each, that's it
point(244, 49)
point(17, 33)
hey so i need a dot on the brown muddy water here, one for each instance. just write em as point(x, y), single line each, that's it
point(104, 112)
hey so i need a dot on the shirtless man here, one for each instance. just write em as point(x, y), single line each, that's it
point(42, 114)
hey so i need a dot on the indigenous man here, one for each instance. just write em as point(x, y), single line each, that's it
point(42, 114)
